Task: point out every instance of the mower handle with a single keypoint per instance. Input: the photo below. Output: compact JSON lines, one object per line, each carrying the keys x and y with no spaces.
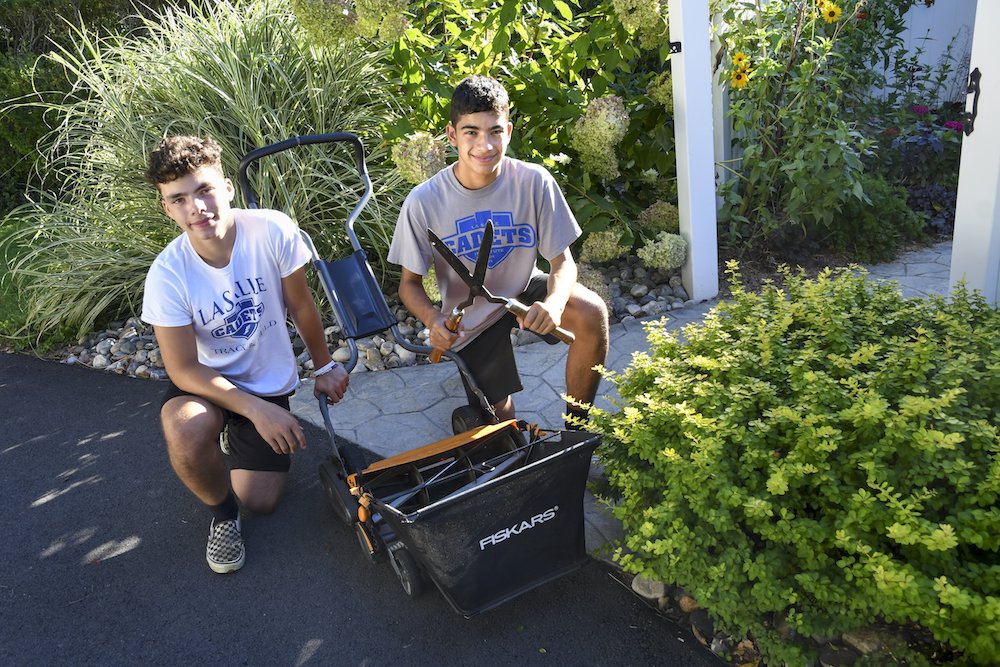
{"x":333,"y":137}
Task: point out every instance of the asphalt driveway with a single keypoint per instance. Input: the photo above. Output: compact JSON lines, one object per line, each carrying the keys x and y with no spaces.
{"x":103,"y":561}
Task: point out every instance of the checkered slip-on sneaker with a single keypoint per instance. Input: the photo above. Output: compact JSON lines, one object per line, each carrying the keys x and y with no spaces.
{"x":225,"y":552}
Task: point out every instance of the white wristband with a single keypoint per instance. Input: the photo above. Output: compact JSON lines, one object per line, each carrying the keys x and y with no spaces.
{"x":326,"y":369}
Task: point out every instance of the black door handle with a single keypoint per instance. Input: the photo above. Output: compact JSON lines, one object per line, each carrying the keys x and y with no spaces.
{"x":969,"y":118}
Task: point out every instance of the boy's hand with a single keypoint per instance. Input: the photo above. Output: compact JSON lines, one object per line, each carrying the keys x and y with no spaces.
{"x":279,"y":428}
{"x":333,"y":384}
{"x":542,"y":318}
{"x":442,"y":337}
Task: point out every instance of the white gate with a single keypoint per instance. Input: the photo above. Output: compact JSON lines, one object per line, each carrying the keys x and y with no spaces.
{"x":975,"y":255}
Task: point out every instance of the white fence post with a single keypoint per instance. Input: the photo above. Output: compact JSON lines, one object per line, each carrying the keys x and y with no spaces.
{"x":975,"y":255}
{"x":695,"y":145}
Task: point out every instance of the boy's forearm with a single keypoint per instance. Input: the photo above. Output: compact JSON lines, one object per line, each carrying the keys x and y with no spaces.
{"x":415,"y":299}
{"x":562,"y":278}
{"x":310,"y":328}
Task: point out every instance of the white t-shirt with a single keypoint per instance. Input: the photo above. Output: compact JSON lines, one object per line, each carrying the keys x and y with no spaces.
{"x":530,"y":217}
{"x":238,"y":311}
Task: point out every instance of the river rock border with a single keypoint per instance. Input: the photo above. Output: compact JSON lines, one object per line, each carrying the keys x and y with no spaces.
{"x":629,"y":289}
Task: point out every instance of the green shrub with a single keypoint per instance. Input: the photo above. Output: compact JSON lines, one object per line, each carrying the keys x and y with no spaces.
{"x":243,"y":72}
{"x":872,"y":229}
{"x":818,"y":458}
{"x":24,"y":81}
{"x":31,"y":26}
{"x":557,"y":59}
{"x":794,"y":76}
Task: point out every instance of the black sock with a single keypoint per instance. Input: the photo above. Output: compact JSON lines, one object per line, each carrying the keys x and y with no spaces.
{"x":579,"y":413}
{"x":227,"y":510}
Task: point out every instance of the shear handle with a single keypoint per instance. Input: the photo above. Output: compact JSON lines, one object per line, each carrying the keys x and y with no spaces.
{"x":520,"y":310}
{"x":452,"y":323}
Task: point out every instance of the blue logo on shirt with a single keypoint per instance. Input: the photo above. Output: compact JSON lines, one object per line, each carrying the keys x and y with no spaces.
{"x":242,"y":322}
{"x":506,"y":236}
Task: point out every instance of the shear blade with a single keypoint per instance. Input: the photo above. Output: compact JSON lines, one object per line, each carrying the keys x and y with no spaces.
{"x":483,"y":258}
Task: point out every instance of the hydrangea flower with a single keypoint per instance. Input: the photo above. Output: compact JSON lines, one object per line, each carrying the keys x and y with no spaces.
{"x":326,"y":21}
{"x":418,"y":157}
{"x":644,"y":16}
{"x":667,"y":252}
{"x":597,"y":132}
{"x":660,"y":216}
{"x":636,"y":14}
{"x":594,"y":280}
{"x":392,"y":27}
{"x":956,"y":125}
{"x":661,"y":91}
{"x":603,"y":246}
{"x":383,"y":18}
{"x":649,"y":176}
{"x":920,"y":109}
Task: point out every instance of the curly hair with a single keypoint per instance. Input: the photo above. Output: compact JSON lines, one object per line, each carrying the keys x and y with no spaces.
{"x":479,"y":93}
{"x":178,"y":156}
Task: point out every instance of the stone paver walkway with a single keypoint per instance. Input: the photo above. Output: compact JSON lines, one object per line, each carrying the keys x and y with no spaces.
{"x":392,"y":411}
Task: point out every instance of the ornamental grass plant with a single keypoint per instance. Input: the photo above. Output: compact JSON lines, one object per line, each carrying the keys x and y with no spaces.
{"x":243,"y":72}
{"x":815,"y":459}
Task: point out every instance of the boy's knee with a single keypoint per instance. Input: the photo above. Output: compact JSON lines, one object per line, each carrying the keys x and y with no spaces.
{"x":190,"y":427}
{"x":588,"y":311}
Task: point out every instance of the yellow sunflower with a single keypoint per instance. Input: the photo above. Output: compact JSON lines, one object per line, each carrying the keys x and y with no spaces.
{"x":831,"y":12}
{"x":739,"y":78}
{"x":740,"y":60}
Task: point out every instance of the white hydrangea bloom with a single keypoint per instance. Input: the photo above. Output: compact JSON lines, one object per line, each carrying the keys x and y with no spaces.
{"x":596,"y":134}
{"x":418,"y":157}
{"x":603,"y":246}
{"x":667,"y":252}
{"x":661,"y":91}
{"x":660,"y":216}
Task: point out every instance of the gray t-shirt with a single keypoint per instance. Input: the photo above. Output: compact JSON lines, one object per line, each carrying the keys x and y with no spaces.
{"x":530,"y":217}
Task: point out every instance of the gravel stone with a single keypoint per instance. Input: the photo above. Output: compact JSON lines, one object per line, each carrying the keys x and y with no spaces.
{"x":130,"y":347}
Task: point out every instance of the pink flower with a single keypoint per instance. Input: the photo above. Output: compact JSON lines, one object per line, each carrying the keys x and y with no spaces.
{"x":920,"y":109}
{"x":954,"y":125}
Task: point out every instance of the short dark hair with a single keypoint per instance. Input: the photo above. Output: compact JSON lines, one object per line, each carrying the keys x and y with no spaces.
{"x":479,"y":93}
{"x":178,"y":156}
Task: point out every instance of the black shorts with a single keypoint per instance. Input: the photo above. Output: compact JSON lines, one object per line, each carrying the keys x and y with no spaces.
{"x":247,"y":449}
{"x":490,"y":355}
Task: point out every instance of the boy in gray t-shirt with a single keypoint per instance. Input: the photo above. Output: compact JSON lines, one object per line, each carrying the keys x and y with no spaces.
{"x":530,"y":217}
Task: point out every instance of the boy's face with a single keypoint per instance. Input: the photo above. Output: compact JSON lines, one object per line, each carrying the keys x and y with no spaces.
{"x":199,"y":203}
{"x":481,"y":139}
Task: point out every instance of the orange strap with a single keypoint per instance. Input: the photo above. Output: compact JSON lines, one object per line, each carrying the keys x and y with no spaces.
{"x":440,"y":446}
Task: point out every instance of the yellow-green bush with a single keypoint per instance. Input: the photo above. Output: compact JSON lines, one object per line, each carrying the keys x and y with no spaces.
{"x":823,"y":456}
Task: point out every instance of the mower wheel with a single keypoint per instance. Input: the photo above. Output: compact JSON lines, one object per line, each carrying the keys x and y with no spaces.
{"x":334,"y":482}
{"x":407,"y":570}
{"x":369,"y":545}
{"x":465,"y":418}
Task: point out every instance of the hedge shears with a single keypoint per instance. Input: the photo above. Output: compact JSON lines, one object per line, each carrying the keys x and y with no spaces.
{"x":477,"y":288}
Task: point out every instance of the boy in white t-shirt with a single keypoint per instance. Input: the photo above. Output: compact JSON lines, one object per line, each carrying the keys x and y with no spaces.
{"x":530,"y":218}
{"x":217,"y":297}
